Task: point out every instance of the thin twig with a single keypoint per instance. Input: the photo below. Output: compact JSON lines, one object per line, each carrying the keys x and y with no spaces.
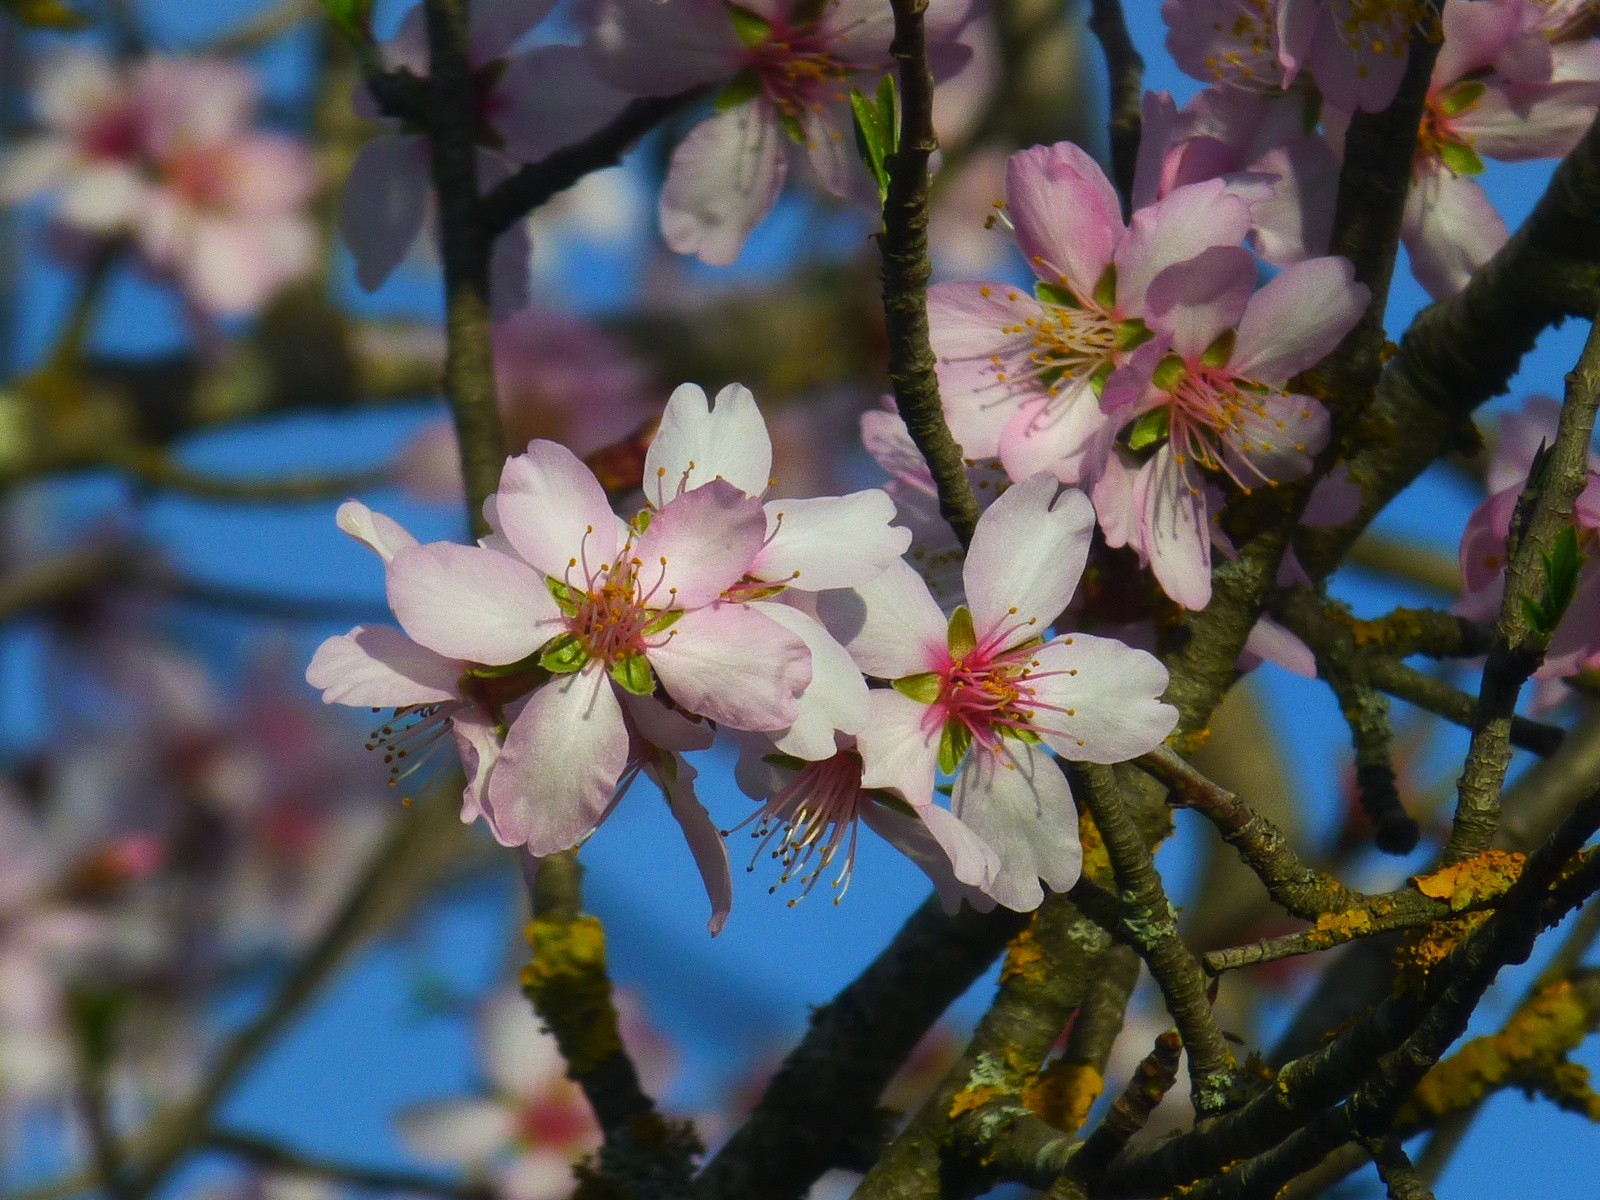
{"x":1544,"y":511}
{"x":1438,"y":697}
{"x":156,"y":469}
{"x":1125,"y":75}
{"x":904,"y":245}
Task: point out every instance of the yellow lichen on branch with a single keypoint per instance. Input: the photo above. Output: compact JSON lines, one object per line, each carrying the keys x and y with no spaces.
{"x":1096,"y":862}
{"x":1023,"y":956}
{"x":567,"y":982}
{"x":1530,"y":1052}
{"x":1479,"y":879}
{"x":1065,"y":1093}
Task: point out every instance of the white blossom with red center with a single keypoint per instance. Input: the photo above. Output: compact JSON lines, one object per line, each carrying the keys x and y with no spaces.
{"x":983,"y":694}
{"x":786,"y":69}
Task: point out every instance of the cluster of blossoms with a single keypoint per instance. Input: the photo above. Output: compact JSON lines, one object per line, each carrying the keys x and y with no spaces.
{"x":1575,"y":648}
{"x":162,"y":155}
{"x":572,"y":651}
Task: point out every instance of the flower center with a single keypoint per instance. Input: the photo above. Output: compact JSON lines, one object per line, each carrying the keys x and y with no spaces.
{"x":1251,"y":61}
{"x":1377,"y":27}
{"x":559,"y":1121}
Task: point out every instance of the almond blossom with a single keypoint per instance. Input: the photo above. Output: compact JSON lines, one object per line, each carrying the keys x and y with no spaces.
{"x":982,"y":694}
{"x":1208,"y":395}
{"x":161,"y":151}
{"x":529,"y":104}
{"x":787,"y":67}
{"x":1021,"y":374}
{"x":534,"y":1125}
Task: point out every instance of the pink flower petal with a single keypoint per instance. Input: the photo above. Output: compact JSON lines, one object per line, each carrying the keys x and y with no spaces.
{"x":735,"y":666}
{"x":968,"y":327}
{"x":830,"y":541}
{"x":834,"y":702}
{"x":890,"y":625}
{"x":548,"y":98}
{"x":1180,"y":226}
{"x":1018,"y":802}
{"x":1066,"y":213}
{"x":558,"y":772}
{"x":723,"y":178}
{"x":699,"y":545}
{"x":1450,"y":228}
{"x":384,"y":536}
{"x":1025,"y":561}
{"x":494,"y":26}
{"x":1298,"y":318}
{"x":386,"y":198}
{"x":705,"y":840}
{"x":698,"y":442}
{"x":1174,"y":529}
{"x":374,"y":666}
{"x":470,"y":603}
{"x":1196,"y":301}
{"x":899,"y":747}
{"x":656,"y":49}
{"x":552,"y":509}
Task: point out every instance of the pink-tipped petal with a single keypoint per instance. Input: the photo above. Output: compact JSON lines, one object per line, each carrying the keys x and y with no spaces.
{"x":1298,"y":318}
{"x":724,"y":177}
{"x":1066,"y":214}
{"x":469,"y":603}
{"x":1194,"y":302}
{"x":559,"y":769}
{"x":699,"y":545}
{"x":553,"y":510}
{"x":1183,"y":224}
{"x":735,"y":666}
{"x":1025,"y":561}
{"x":1174,"y":529}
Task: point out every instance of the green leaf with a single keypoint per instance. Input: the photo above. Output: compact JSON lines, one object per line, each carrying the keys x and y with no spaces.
{"x":923,"y":688}
{"x":566,"y":599}
{"x":663,"y":621}
{"x":1561,"y":563}
{"x":877,"y":130}
{"x":1102,"y":373}
{"x":44,"y":14}
{"x":1168,"y":372}
{"x":633,"y":674}
{"x":954,"y":743}
{"x":507,"y":670}
{"x":1055,"y":293}
{"x":754,"y":31}
{"x":563,"y":655}
{"x":961,"y":637}
{"x":1105,"y":289}
{"x":1454,"y":101}
{"x":1220,"y":351}
{"x":1533,"y":613}
{"x":1461,"y":159}
{"x":741,"y":89}
{"x":353,"y":18}
{"x":1149,"y":429}
{"x":1021,"y":733}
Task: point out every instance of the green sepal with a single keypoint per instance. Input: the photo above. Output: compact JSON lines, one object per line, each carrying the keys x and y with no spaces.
{"x":741,"y":89}
{"x":1133,"y":333}
{"x":1020,"y":733}
{"x":663,"y":621}
{"x":1168,"y":372}
{"x":1155,"y":426}
{"x":1561,"y":564}
{"x":1463,"y":160}
{"x":877,"y":129}
{"x":508,"y":670}
{"x":1105,"y":288}
{"x":961,"y":637}
{"x":791,"y":126}
{"x":44,"y":14}
{"x":641,"y":520}
{"x":1454,"y":101}
{"x":353,"y":18}
{"x":566,"y":599}
{"x":563,"y":655}
{"x":923,"y":688}
{"x":1057,"y":294}
{"x":1103,"y":372}
{"x":632,"y":673}
{"x":954,"y":742}
{"x":752,"y":30}
{"x":1220,"y":351}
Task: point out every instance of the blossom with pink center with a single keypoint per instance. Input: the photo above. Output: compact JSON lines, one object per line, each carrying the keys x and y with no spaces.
{"x":808,"y":824}
{"x":161,"y":151}
{"x":983,"y":694}
{"x":534,"y":1125}
{"x":1021,"y":374}
{"x":1504,"y":86}
{"x":1575,"y":648}
{"x":787,"y":67}
{"x":529,"y":104}
{"x":1207,"y":395}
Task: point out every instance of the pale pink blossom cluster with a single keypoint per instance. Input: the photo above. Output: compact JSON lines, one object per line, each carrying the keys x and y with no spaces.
{"x":163,"y":154}
{"x":1514,"y":80}
{"x":1144,"y":366}
{"x":1575,"y":648}
{"x":573,"y":650}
